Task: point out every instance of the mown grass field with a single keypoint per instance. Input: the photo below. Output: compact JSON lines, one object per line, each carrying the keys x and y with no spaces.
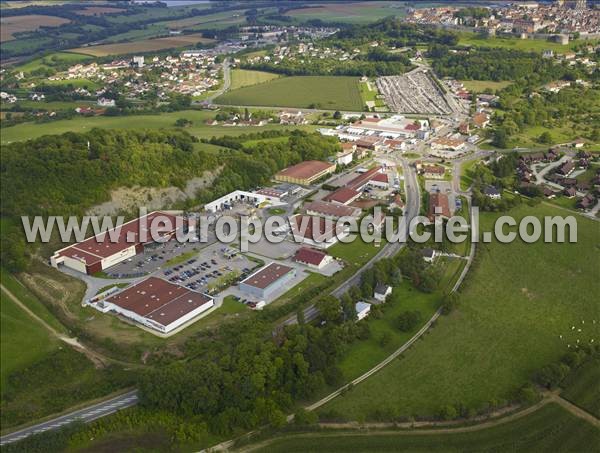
{"x":324,"y":92}
{"x":550,"y":428}
{"x":527,"y":45}
{"x":516,"y":302}
{"x":479,"y":86}
{"x":26,"y":131}
{"x":582,"y":387}
{"x":244,"y":77}
{"x":363,"y":355}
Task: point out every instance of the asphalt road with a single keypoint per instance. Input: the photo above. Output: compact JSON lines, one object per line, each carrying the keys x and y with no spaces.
{"x":85,"y":415}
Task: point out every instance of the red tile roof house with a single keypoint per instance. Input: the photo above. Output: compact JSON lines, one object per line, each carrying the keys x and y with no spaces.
{"x":566,"y":168}
{"x":313,"y":258}
{"x":481,"y":120}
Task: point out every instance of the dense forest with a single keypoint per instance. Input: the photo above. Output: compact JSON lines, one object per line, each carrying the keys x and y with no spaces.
{"x":66,"y":174}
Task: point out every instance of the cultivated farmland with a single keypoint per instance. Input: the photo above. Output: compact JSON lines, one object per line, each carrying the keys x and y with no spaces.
{"x":28,"y":22}
{"x":517,"y":302}
{"x":323,"y":92}
{"x":357,"y":12}
{"x":244,"y":77}
{"x":145,"y":45}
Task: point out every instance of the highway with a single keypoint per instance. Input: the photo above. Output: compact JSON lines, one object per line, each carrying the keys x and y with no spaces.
{"x":85,"y":415}
{"x":413,"y":204}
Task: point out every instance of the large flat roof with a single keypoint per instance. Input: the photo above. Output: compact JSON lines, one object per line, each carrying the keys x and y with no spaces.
{"x":331,"y":209}
{"x":305,"y":170}
{"x":161,"y":301}
{"x":96,"y":248}
{"x":267,"y":275}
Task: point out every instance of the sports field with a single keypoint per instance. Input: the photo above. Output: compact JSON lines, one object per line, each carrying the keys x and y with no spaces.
{"x":550,"y":428}
{"x":323,"y":92}
{"x":145,"y":45}
{"x":199,"y":129}
{"x":244,"y":77}
{"x":516,"y":303}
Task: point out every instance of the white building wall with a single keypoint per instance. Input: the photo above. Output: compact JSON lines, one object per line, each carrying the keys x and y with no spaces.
{"x":71,"y":263}
{"x":118,"y":257}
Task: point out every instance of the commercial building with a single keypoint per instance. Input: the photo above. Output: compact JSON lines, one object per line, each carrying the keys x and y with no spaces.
{"x":317,"y":231}
{"x":241,"y":196}
{"x":157,"y":304}
{"x":374,"y":177}
{"x":331,"y":210}
{"x":305,"y":173}
{"x":267,"y":280}
{"x":312,"y":258}
{"x":438,"y":206}
{"x":434,"y":171}
{"x":343,"y":196}
{"x":106,"y":249}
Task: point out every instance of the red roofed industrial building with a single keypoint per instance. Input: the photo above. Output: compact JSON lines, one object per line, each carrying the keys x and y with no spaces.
{"x":305,"y":173}
{"x":331,"y":210}
{"x":157,"y":304}
{"x":267,"y":280}
{"x":343,"y":195}
{"x":346,"y":195}
{"x":118,"y":244}
{"x":438,"y":206}
{"x":312,"y":258}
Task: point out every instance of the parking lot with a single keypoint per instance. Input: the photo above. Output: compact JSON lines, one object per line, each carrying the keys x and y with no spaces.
{"x":153,"y":258}
{"x":211,"y":270}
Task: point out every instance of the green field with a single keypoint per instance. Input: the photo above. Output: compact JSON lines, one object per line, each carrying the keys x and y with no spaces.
{"x":353,"y":13}
{"x":27,"y":131}
{"x":244,"y":77}
{"x":517,"y":300}
{"x":23,"y":341}
{"x":323,"y":92}
{"x":550,"y":428}
{"x":52,"y":59}
{"x":582,"y":387}
{"x":363,"y":355}
{"x":479,"y":86}
{"x":528,"y":45}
